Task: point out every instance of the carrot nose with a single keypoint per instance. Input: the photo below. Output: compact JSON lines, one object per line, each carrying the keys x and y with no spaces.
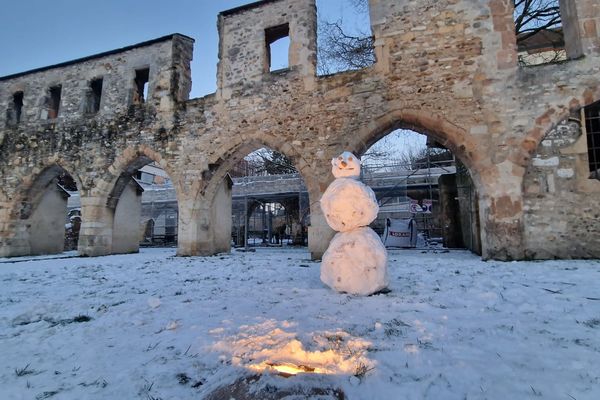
{"x":344,"y":164}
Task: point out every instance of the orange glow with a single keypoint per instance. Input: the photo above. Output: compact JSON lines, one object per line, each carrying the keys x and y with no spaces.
{"x":267,"y":347}
{"x":287,"y":370}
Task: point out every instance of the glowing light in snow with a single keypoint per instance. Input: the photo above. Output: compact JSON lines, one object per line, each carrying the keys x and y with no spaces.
{"x":287,"y":370}
{"x":265,"y":347}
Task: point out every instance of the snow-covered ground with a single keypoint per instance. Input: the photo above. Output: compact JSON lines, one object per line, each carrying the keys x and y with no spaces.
{"x":153,"y":326}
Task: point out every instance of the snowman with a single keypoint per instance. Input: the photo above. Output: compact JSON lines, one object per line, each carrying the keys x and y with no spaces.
{"x":355,"y":261}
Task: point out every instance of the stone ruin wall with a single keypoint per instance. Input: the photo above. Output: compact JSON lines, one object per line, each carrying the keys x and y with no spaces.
{"x":562,"y":203}
{"x":83,"y":144}
{"x":444,"y":68}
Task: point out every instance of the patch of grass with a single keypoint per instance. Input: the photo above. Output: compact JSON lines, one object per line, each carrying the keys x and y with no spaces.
{"x":100,"y":382}
{"x":592,"y":323}
{"x":392,"y":328}
{"x":24,"y":371}
{"x":361,"y":371}
{"x":146,"y":389}
{"x":77,"y":319}
{"x":46,"y":395}
{"x":82,"y":318}
{"x":182,"y":378}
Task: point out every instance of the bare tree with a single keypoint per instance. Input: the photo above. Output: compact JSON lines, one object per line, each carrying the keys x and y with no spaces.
{"x":339,"y":50}
{"x":533,"y":16}
{"x":269,"y":162}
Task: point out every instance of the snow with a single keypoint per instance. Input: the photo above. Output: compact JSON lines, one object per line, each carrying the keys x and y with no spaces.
{"x":346,"y":165}
{"x":452,"y":327}
{"x":348,"y":204}
{"x":355,"y":262}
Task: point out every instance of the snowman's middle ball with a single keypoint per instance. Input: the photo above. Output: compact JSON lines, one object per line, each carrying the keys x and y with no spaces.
{"x":349,"y":204}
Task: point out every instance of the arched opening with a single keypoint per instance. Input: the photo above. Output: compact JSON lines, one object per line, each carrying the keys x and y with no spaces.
{"x":270,"y":205}
{"x":145,"y":208}
{"x":51,"y":212}
{"x":426,"y":195}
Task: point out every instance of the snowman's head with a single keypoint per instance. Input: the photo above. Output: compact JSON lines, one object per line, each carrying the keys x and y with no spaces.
{"x":346,"y":165}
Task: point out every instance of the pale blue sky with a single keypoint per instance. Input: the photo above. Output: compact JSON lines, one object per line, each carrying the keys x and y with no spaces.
{"x":37,"y":33}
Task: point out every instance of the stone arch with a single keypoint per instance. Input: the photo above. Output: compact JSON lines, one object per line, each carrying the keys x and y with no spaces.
{"x":211,"y":198}
{"x":32,"y":186}
{"x":39,"y":211}
{"x":129,"y":161}
{"x":456,"y":139}
{"x":463,"y":145}
{"x":226,"y":157}
{"x":120,"y":197}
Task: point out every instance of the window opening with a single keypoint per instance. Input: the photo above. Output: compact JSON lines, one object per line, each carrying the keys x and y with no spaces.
{"x":592,"y":127}
{"x":13,"y":114}
{"x":54,"y":104}
{"x":95,"y":94}
{"x":142,"y":77}
{"x":539,"y":31}
{"x":18,"y":106}
{"x":278,"y":47}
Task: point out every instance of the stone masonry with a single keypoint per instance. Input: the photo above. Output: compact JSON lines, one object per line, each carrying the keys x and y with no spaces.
{"x":445,"y":68}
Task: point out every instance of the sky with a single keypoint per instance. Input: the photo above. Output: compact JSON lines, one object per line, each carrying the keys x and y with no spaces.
{"x":38,"y":33}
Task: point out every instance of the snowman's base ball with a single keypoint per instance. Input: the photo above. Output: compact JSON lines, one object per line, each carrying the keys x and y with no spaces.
{"x":355,"y":263}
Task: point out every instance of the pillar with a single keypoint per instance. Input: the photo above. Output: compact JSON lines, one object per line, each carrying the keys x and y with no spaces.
{"x":501,"y":215}
{"x":319,"y":233}
{"x":14,"y":240}
{"x":205,"y":223}
{"x":221,"y":217}
{"x":127,"y":218}
{"x":95,"y":236}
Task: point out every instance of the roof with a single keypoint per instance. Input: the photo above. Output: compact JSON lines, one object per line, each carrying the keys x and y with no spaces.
{"x":541,"y":40}
{"x":99,"y":55}
{"x":246,"y":7}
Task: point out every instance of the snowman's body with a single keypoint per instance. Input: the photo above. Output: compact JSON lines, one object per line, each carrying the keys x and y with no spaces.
{"x":356,"y":260}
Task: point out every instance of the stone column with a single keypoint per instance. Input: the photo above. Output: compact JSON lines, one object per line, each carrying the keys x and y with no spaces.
{"x":188,"y":227}
{"x":221,"y":217}
{"x":195,"y":235}
{"x":127,"y":216}
{"x":95,"y":236}
{"x":205,"y":224}
{"x":319,"y":233}
{"x":317,"y":178}
{"x":501,"y":214}
{"x":14,"y":237}
{"x":319,"y":236}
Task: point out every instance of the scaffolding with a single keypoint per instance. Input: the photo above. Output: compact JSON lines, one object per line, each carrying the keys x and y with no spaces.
{"x":409,"y":190}
{"x":269,"y":219}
